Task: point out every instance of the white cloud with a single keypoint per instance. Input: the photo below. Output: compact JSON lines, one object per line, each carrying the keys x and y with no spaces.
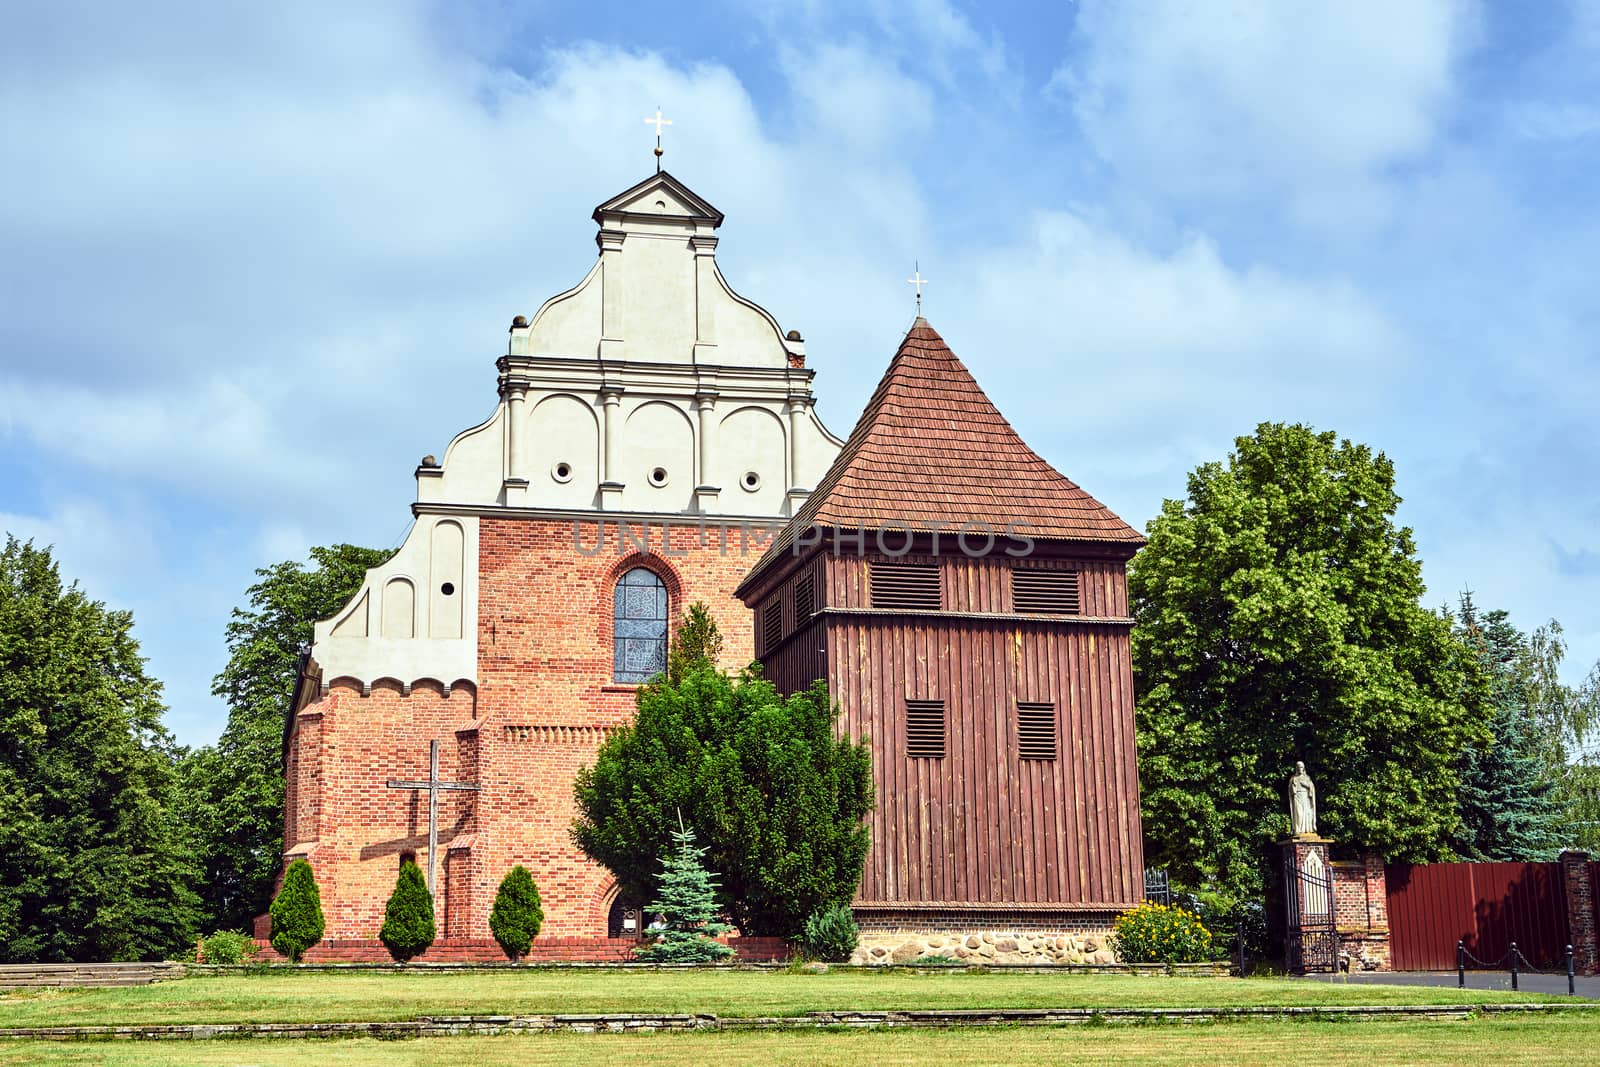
{"x":1189,"y":339}
{"x":1307,"y":103}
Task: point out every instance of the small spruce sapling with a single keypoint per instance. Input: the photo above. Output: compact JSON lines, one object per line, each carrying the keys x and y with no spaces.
{"x":408,"y":919}
{"x":297,"y":912}
{"x":517,"y":913}
{"x":688,"y":906}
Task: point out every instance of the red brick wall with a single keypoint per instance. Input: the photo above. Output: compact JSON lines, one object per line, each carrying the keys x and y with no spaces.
{"x":1583,"y":911}
{"x":543,"y":703}
{"x":1361,"y":912}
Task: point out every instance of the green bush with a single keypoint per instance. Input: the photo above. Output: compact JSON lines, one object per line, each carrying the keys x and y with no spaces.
{"x":517,"y":913}
{"x":297,"y":912}
{"x":830,"y":934}
{"x":227,"y":948}
{"x":1158,"y":933}
{"x":408,"y":919}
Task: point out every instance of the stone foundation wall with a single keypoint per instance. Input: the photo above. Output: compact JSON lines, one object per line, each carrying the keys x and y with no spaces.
{"x":1005,"y":946}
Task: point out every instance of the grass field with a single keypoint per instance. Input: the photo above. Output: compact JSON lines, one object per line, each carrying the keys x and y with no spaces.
{"x":386,"y":996}
{"x":1479,"y":1040}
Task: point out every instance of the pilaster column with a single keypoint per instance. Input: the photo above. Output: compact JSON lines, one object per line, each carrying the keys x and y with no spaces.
{"x":612,"y":328}
{"x":796,"y":410}
{"x":516,"y":431}
{"x":705,"y":284}
{"x":706,"y":494}
{"x":611,"y":484}
{"x":515,"y":486}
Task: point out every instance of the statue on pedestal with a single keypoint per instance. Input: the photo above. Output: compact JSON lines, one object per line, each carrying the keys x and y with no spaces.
{"x":1302,"y":803}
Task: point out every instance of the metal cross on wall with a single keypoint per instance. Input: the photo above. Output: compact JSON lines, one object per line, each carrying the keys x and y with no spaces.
{"x":658,"y":122}
{"x":433,"y":786}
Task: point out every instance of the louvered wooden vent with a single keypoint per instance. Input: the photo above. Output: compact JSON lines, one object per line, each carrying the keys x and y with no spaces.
{"x":912,"y":586}
{"x":772,"y":623}
{"x":1036,"y":731}
{"x":1039,"y":592}
{"x":925,"y":729}
{"x":805,"y":597}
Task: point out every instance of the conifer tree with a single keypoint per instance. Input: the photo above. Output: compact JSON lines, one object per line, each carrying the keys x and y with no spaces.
{"x":95,"y":850}
{"x":297,"y":912}
{"x":408,"y":927}
{"x":687,"y":906}
{"x":517,"y":914}
{"x":780,"y":799}
{"x":1507,"y":800}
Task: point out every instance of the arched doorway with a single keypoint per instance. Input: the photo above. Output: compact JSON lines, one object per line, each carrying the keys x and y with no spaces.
{"x":625,"y":919}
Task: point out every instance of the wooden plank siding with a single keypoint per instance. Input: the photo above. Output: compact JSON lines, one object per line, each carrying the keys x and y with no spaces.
{"x":983,"y":827}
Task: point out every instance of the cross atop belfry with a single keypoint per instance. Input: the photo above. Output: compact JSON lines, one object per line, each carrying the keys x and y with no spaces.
{"x":919,"y":281}
{"x":658,"y":122}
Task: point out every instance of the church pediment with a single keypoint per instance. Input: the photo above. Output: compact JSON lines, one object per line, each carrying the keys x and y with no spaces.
{"x":661,"y":195}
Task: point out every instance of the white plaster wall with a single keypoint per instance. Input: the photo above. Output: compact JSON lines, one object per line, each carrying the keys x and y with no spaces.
{"x":569,"y":323}
{"x":475,"y":462}
{"x":366,"y":639}
{"x":563,"y":431}
{"x":747,"y":335}
{"x":751,"y":439}
{"x":652,"y":322}
{"x":657,"y":434}
{"x":656,"y":276}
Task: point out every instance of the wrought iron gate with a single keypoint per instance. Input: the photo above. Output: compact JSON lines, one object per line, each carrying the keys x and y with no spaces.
{"x":1313,"y":943}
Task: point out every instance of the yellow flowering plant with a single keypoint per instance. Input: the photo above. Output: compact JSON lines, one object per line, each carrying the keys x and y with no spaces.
{"x":1160,"y":933}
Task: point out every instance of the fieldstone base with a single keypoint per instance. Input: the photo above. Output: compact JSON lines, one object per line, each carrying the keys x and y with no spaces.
{"x":1018,"y":947}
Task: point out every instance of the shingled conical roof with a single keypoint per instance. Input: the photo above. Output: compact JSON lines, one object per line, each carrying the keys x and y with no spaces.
{"x":932,"y":448}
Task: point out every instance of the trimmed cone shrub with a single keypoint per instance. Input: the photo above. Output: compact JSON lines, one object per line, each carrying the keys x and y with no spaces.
{"x":517,"y":913}
{"x":1157,"y":933}
{"x":408,"y":920}
{"x":831,"y":934}
{"x":296,"y":912}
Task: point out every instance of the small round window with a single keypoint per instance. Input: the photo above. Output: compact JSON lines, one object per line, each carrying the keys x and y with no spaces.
{"x":658,"y":477}
{"x":562,"y":471}
{"x":750,"y":481}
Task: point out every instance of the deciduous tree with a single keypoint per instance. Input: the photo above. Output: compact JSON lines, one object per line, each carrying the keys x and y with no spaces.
{"x":1278,"y":618}
{"x":236,"y":786}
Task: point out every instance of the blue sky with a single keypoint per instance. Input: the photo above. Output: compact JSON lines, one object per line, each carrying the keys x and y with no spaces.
{"x":261,"y":257}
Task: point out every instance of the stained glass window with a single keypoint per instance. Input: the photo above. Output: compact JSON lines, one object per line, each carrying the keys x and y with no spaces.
{"x":641,"y":626}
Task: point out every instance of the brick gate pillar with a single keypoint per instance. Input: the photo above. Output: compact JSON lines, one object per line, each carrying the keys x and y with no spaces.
{"x":1312,"y":943}
{"x":1581,"y":932}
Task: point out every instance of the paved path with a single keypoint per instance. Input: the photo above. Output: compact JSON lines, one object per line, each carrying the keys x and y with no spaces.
{"x":1526,"y":983}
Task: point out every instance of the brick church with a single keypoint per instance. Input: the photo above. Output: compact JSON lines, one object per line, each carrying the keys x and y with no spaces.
{"x":654,"y":444}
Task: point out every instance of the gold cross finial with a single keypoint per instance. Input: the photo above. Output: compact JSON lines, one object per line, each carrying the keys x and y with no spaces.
{"x":919,"y":281}
{"x":658,"y":122}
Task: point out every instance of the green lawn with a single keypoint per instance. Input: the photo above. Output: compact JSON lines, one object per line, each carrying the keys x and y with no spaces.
{"x":321,"y":996}
{"x":1483,"y":1040}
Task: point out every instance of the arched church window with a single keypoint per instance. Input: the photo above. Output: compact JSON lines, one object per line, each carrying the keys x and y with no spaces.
{"x":641,"y":626}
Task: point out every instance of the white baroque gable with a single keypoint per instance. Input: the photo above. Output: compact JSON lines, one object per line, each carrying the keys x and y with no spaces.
{"x":650,"y":387}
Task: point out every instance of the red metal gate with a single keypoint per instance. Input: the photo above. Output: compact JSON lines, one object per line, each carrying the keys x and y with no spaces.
{"x":1485,"y":905}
